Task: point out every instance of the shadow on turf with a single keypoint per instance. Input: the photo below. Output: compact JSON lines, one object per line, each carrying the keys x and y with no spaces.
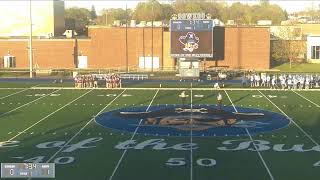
{"x":239,"y":99}
{"x":212,"y":97}
{"x":4,"y":115}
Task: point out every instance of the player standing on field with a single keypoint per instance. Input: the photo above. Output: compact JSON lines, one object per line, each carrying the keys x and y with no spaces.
{"x":183,"y":97}
{"x":219,"y":100}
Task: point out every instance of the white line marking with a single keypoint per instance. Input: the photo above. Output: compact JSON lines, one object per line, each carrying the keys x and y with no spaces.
{"x":66,"y":144}
{"x":134,"y":133}
{"x":28,"y":103}
{"x":14,"y":93}
{"x":317,"y":105}
{"x":291,"y":120}
{"x":36,"y":86}
{"x":47,"y":116}
{"x":165,"y":89}
{"x":252,"y":140}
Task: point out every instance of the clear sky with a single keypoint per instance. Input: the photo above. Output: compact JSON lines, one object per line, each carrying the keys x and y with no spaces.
{"x":289,"y":5}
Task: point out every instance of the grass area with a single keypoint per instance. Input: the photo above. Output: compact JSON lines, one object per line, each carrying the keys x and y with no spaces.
{"x":298,"y":67}
{"x":61,"y":126}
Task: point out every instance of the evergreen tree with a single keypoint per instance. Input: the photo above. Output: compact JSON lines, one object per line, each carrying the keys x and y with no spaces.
{"x":93,"y":14}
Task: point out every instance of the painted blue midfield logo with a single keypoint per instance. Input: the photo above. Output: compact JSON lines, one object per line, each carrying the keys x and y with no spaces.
{"x":201,"y":120}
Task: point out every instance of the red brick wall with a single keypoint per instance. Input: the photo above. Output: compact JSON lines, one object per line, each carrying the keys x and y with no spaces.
{"x":106,"y":48}
{"x":47,"y":53}
{"x":247,"y":48}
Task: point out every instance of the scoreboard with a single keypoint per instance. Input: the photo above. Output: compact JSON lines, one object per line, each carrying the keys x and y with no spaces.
{"x":191,"y":25}
{"x":27,"y":170}
{"x":191,"y":38}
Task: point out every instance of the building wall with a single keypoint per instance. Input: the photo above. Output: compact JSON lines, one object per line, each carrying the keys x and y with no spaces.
{"x":298,"y":30}
{"x":47,"y":17}
{"x":108,"y":46}
{"x":312,"y":41}
{"x":47,"y":53}
{"x":168,"y":62}
{"x":310,"y":28}
{"x":247,"y":48}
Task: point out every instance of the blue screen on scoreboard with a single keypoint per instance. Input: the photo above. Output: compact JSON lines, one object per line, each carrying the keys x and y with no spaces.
{"x":191,"y":25}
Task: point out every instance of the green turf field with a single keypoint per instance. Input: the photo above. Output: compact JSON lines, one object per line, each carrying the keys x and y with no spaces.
{"x":60,"y":126}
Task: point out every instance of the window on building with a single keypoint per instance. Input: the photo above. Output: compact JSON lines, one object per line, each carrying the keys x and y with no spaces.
{"x":315,"y":52}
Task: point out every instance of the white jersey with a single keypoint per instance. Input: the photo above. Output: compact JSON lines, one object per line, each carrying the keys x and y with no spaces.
{"x":251,"y":78}
{"x":216,"y":85}
{"x":183,"y":95}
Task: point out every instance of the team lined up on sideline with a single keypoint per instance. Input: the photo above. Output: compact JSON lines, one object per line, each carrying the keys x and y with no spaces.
{"x":283,"y":81}
{"x":94,"y":81}
{"x":272,"y":81}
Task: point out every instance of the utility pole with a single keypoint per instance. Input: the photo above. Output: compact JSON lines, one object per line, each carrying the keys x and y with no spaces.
{"x":152,"y":39}
{"x":30,"y":43}
{"x":127,"y":62}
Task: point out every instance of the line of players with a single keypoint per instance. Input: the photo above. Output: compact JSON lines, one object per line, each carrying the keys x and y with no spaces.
{"x":284,"y":81}
{"x":91,"y":81}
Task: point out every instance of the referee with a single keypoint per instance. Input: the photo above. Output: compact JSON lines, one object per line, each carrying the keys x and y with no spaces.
{"x":219,"y":100}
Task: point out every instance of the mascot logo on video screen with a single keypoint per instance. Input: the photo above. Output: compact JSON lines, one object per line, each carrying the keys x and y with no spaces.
{"x":201,"y":120}
{"x":190,"y":42}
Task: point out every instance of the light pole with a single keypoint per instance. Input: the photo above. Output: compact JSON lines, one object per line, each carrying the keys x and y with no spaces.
{"x":127,"y":61}
{"x":30,"y":42}
{"x":152,"y":39}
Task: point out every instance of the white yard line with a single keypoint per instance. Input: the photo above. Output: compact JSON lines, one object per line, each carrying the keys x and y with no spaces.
{"x":133,"y":135}
{"x":191,"y":136}
{"x":252,"y":140}
{"x":317,"y":105}
{"x":28,"y":103}
{"x":48,"y":116}
{"x":67,"y":143}
{"x":13,"y":93}
{"x":235,"y":109}
{"x":155,"y":88}
{"x":291,"y":120}
{"x":35,"y":86}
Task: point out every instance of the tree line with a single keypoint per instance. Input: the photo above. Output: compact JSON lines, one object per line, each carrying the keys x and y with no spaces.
{"x":287,"y":49}
{"x":242,"y":14}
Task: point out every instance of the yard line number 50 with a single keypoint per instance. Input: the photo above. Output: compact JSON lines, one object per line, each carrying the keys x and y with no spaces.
{"x":204,"y":162}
